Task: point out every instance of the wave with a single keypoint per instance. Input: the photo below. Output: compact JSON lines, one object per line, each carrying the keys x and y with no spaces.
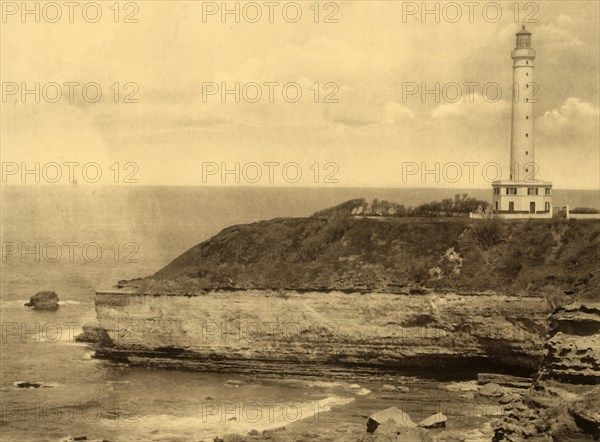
{"x":215,"y":418}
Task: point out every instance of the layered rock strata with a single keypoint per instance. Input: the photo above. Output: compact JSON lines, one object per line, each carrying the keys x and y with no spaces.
{"x":229,"y":330}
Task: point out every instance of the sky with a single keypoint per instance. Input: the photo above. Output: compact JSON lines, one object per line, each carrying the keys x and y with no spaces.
{"x":368,"y":126}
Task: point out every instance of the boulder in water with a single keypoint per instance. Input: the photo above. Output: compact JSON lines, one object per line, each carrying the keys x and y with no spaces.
{"x":26,"y":384}
{"x":437,"y":420}
{"x":45,"y":300}
{"x":390,"y":431}
{"x":94,"y":334}
{"x":509,"y":397}
{"x":491,"y":390}
{"x":397,"y":416}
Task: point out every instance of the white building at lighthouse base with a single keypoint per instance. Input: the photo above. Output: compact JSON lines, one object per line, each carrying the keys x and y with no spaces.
{"x":523,"y":199}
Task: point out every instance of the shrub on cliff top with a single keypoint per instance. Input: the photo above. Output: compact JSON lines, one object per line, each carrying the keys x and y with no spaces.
{"x":584,"y":210}
{"x":344,"y":209}
{"x":488,"y":233}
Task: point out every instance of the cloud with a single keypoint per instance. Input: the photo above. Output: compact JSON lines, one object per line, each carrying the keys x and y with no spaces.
{"x":370,"y":113}
{"x":471,"y":107}
{"x":573,"y":113}
{"x":558,"y":35}
{"x":369,"y":55}
{"x":395,"y":112}
{"x":565,"y":20}
{"x":567,"y":138}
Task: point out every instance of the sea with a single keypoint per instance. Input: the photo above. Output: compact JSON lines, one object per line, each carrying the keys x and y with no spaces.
{"x":77,"y":239}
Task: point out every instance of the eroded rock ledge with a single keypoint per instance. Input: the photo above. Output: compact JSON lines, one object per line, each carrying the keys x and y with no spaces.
{"x":263,"y":330}
{"x":572,"y":348}
{"x":564,"y":401}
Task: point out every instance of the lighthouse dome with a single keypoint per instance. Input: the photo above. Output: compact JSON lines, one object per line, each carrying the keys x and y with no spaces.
{"x":523,"y":38}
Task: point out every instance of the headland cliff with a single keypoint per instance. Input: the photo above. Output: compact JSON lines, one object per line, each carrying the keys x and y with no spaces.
{"x":349,"y":296}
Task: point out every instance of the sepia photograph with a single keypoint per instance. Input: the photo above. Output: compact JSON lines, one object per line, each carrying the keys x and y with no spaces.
{"x":300,"y":221}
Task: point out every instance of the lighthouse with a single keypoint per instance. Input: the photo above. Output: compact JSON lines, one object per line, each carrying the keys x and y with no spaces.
{"x":522,"y":163}
{"x":523,"y":195}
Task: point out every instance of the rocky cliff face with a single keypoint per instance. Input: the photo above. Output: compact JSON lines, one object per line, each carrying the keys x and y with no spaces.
{"x":573,"y":346}
{"x":564,"y":402}
{"x":237,"y":329}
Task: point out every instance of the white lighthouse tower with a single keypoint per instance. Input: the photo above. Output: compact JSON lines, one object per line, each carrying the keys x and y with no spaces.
{"x":523,"y":195}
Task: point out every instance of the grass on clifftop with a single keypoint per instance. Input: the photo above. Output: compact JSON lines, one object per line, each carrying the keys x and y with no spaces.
{"x":392,"y":254}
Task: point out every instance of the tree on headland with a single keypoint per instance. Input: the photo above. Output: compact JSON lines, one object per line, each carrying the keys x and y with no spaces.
{"x":461,"y":204}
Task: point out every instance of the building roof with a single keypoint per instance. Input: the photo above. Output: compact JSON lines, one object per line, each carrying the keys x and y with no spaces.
{"x":510,"y":183}
{"x":523,"y":31}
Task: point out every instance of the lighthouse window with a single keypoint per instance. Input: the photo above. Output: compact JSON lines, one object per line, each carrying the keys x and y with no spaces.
{"x":527,"y":117}
{"x":526,"y":100}
{"x":526,"y":62}
{"x":526,"y":152}
{"x":526,"y":135}
{"x":527,"y":74}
